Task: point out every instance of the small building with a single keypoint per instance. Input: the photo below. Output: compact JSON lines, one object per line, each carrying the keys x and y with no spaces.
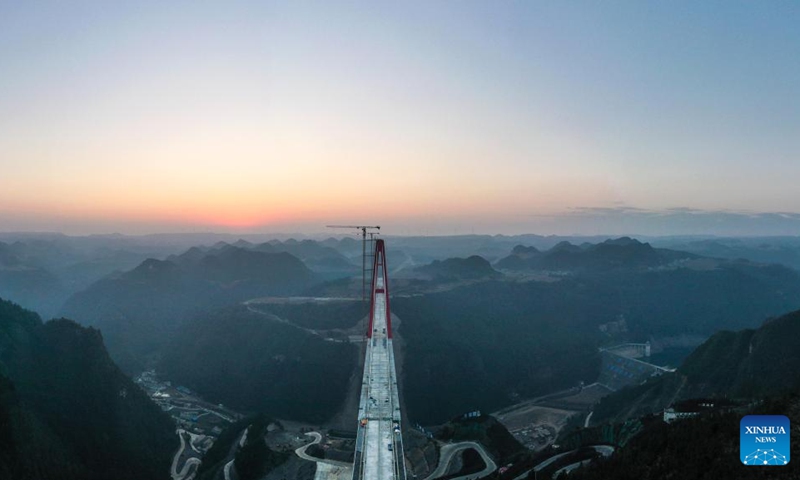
{"x":690,"y":408}
{"x":670,"y":415}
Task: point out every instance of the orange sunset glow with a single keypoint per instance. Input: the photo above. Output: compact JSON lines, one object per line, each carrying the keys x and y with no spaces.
{"x":290,"y":117}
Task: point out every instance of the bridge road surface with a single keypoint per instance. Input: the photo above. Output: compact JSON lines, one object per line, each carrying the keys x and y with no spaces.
{"x":379,"y":444}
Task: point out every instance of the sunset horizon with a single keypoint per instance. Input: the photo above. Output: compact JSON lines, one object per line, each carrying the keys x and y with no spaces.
{"x":374,"y":240}
{"x":530,"y":118}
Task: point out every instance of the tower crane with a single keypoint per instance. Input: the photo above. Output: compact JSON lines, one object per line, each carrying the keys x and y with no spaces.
{"x":364,"y":231}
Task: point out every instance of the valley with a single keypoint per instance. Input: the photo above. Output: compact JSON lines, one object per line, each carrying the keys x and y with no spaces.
{"x":373,"y":240}
{"x":548,"y":345}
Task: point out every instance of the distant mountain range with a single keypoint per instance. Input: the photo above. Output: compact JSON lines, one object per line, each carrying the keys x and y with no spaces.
{"x":620,"y":253}
{"x":42,"y":271}
{"x":67,"y":412}
{"x":26,"y":282}
{"x":474,"y":267}
{"x":139,"y":310}
{"x":780,"y":250}
{"x":531,"y":324}
{"x":319,"y":257}
{"x":522,"y":337}
{"x":480,"y":346}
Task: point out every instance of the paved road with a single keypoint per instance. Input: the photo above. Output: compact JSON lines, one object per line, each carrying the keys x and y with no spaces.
{"x":301,"y":452}
{"x":178,"y":455}
{"x":446,"y":454}
{"x":282,"y":320}
{"x":193,"y":438}
{"x":588,"y":417}
{"x":227,"y":470}
{"x":571,"y":467}
{"x":183,"y":474}
{"x":605,"y":450}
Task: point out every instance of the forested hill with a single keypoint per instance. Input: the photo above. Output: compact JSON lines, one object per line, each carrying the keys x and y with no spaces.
{"x":757,"y":368}
{"x":480,"y":346}
{"x":612,"y":254}
{"x":749,"y":362}
{"x":67,"y":412}
{"x":746,"y":364}
{"x":706,"y":447}
{"x":253,"y":361}
{"x":175,"y":290}
{"x":473,"y":267}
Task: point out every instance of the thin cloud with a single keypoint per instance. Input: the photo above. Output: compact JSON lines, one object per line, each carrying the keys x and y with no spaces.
{"x":669,"y":221}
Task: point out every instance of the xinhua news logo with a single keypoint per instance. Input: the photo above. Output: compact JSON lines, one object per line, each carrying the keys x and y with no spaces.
{"x":764,"y":440}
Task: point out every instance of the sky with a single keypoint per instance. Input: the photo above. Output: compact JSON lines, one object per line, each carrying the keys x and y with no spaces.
{"x":424,"y":117}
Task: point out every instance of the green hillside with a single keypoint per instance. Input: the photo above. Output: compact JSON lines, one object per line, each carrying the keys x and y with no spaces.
{"x":66,"y":411}
{"x":139,"y":310}
{"x":252,"y":362}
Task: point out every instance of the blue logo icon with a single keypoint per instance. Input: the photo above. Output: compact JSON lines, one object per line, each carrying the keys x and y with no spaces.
{"x":764,"y":440}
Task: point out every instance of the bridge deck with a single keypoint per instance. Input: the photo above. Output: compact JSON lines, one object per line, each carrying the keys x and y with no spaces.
{"x":379,"y":447}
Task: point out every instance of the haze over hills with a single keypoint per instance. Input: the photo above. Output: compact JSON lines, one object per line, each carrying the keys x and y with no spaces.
{"x":521,"y":337}
{"x":530,"y":338}
{"x":322,"y":259}
{"x":513,"y":318}
{"x":199,"y":281}
{"x":622,"y":253}
{"x":477,"y":332}
{"x":43,"y":270}
{"x":26,"y":282}
{"x":659,"y":294}
{"x":318,"y":257}
{"x":780,"y":250}
{"x":471,"y":268}
{"x":66,"y":411}
{"x":564,"y":189}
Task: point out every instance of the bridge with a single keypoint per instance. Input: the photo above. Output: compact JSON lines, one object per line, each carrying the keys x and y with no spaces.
{"x":379,"y":443}
{"x":630,"y":350}
{"x":627,"y":364}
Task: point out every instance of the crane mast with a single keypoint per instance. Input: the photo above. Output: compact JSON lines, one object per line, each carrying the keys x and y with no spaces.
{"x":364,"y":232}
